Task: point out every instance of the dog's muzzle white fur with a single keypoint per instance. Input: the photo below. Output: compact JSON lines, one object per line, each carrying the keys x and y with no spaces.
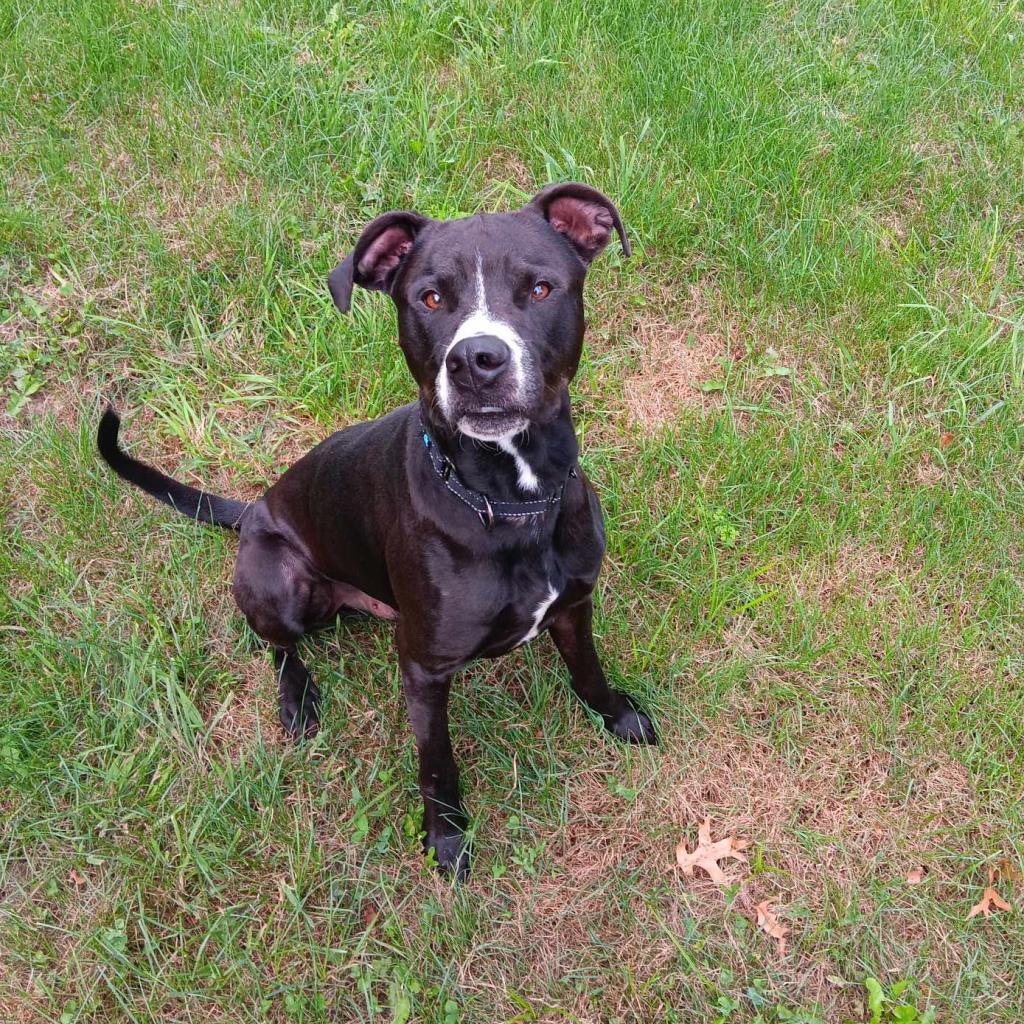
{"x":481,"y":322}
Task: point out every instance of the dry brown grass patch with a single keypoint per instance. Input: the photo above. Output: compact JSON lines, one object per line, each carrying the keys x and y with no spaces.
{"x":250,"y":715}
{"x":506,"y":165}
{"x":557,"y":916}
{"x":828,"y":824}
{"x":927,"y":473}
{"x":825,"y":816}
{"x":858,"y":570}
{"x":63,"y":336}
{"x":680,"y":350}
{"x":174,"y":204}
{"x":68,"y":917}
{"x":862,"y":570}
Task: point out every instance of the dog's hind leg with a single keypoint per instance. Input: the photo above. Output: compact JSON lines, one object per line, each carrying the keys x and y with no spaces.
{"x":297,"y":694}
{"x":282,"y":597}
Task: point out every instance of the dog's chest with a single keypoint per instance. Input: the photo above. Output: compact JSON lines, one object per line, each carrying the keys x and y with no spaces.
{"x":499,"y":608}
{"x":485,"y":603}
{"x":521,"y":612}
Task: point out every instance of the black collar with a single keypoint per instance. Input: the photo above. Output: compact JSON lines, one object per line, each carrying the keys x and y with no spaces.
{"x":486,"y":509}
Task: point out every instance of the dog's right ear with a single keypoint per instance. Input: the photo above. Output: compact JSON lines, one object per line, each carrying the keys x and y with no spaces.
{"x":378,"y":254}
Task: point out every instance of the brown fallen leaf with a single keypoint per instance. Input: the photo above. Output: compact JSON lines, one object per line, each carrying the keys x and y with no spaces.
{"x":1007,"y":869}
{"x":915,"y":876}
{"x":989,"y":899}
{"x":771,"y":925}
{"x":707,"y":854}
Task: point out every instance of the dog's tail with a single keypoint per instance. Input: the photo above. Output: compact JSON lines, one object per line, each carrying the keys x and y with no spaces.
{"x":196,"y":504}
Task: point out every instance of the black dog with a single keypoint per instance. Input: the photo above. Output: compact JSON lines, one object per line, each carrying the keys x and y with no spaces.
{"x":464,"y":516}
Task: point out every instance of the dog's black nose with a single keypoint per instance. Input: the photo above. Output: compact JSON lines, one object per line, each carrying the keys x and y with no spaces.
{"x":477,"y":362}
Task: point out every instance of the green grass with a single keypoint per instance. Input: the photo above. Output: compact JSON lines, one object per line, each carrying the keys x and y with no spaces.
{"x":814,"y":571}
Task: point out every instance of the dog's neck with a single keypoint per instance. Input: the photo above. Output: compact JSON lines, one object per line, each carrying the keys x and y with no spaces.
{"x":533,"y":464}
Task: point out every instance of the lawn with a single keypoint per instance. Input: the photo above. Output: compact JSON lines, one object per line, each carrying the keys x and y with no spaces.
{"x":802,"y":403}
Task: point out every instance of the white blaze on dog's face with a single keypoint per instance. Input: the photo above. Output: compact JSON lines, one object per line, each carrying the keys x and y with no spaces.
{"x":497,"y":418}
{"x":490,"y":307}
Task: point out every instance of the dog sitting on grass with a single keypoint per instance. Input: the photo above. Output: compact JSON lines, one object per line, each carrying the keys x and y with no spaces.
{"x":464,"y":516}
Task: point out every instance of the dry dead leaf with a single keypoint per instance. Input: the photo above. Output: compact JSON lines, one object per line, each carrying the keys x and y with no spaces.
{"x":915,"y":876}
{"x":707,"y":854}
{"x":1007,"y":869}
{"x":771,"y":925}
{"x":989,"y":899}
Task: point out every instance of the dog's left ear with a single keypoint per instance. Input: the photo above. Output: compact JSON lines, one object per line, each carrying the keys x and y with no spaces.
{"x":581,"y":213}
{"x":374,"y":262}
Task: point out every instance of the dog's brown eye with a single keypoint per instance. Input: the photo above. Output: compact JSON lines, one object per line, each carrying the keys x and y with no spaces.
{"x":431,"y":300}
{"x":541,"y":290}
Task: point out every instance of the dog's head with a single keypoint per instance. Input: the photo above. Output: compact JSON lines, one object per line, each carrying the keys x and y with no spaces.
{"x":490,"y":307}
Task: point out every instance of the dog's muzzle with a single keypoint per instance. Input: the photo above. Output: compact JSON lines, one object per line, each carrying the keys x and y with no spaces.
{"x":484,"y":385}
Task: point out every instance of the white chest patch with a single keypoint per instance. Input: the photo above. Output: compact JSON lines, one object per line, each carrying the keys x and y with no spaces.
{"x":527,"y":478}
{"x":539,"y":613}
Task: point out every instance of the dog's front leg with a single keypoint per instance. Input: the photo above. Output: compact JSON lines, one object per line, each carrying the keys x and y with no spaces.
{"x":444,"y":820}
{"x":572,"y":631}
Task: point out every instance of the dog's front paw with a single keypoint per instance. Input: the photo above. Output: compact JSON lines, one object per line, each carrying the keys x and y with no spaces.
{"x":300,"y":714}
{"x":449,"y":851}
{"x":631,"y":725}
